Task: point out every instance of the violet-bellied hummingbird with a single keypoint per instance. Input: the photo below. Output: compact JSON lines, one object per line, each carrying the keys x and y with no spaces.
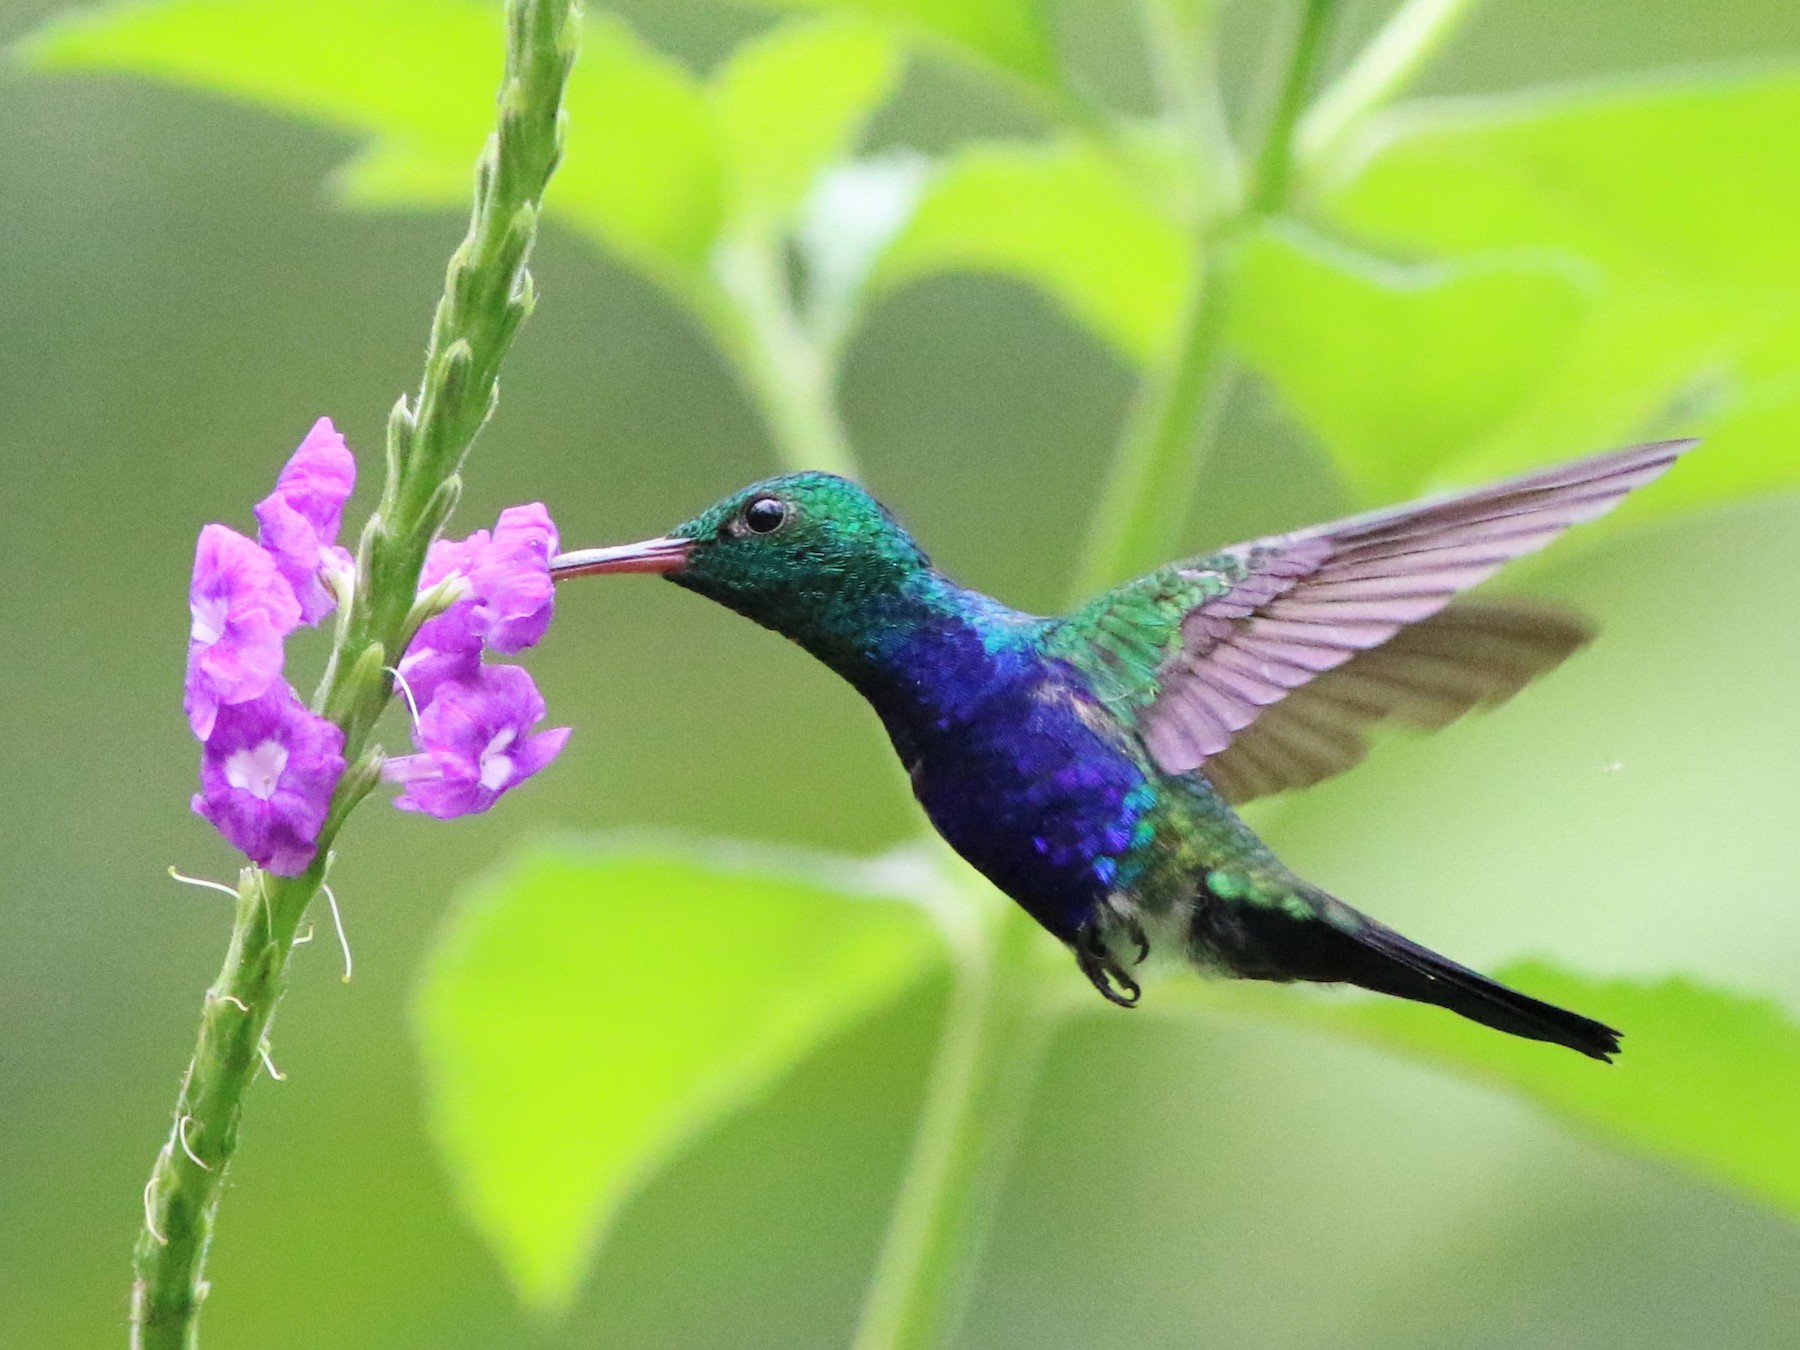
{"x":1088,"y":765}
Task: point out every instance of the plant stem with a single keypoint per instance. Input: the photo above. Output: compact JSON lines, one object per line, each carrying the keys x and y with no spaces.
{"x":1167,"y":433}
{"x":487,"y":294}
{"x":989,"y":1047}
{"x":1417,"y":30}
{"x":1150,"y":488}
{"x":1001,"y":1013}
{"x":1180,"y":36}
{"x":1291,"y":81}
{"x":787,"y":372}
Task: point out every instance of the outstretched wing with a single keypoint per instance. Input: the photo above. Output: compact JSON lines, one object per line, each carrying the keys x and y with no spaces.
{"x":1471,"y":654}
{"x":1198,"y":654}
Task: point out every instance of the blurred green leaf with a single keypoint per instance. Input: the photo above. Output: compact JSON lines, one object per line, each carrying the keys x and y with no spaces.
{"x":1397,"y":368}
{"x":417,"y":77}
{"x":643,"y":171}
{"x":1012,"y":35}
{"x":792,"y":102}
{"x":1062,"y":217}
{"x":1682,"y":200}
{"x":1707,"y":1079}
{"x":419,"y":70}
{"x":594,"y":1008}
{"x":1632,"y":179}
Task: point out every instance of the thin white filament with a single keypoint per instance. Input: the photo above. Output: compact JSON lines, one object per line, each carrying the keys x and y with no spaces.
{"x":337,"y":920}
{"x":203,"y":883}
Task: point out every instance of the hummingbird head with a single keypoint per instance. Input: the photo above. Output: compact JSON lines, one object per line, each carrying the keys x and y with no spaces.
{"x":809,"y":555}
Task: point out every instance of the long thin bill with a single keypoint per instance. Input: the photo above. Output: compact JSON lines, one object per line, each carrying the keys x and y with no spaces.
{"x":662,"y":555}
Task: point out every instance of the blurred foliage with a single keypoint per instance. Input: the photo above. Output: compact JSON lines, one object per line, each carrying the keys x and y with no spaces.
{"x":1063,"y":217}
{"x":1390,"y":364}
{"x":701,"y":159}
{"x":1711,"y":1079}
{"x":522,"y":1043}
{"x":1014,"y":36}
{"x":1678,"y":200}
{"x":1562,"y":272}
{"x":1472,"y":285}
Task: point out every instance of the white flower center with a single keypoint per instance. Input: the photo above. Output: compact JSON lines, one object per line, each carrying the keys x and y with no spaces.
{"x":258,"y":769}
{"x":496,"y":764}
{"x":209,"y":619}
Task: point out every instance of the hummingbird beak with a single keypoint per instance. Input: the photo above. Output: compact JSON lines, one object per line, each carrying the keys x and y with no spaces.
{"x":663,"y":555}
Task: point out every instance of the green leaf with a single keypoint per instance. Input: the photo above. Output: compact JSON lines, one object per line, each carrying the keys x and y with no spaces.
{"x":792,"y":102}
{"x":1681,"y":200}
{"x":1708,"y":1079}
{"x":1064,"y":218}
{"x":593,"y":1008}
{"x":1631,"y":179}
{"x":1011,"y":35}
{"x":418,"y":70}
{"x":644,"y":171}
{"x":416,"y":78}
{"x":1397,"y":368}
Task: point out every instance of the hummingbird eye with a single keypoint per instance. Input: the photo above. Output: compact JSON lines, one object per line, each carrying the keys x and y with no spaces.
{"x":765,"y":515}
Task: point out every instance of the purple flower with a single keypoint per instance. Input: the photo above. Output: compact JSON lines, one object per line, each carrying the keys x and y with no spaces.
{"x":508,"y":596}
{"x":242,"y":608}
{"x":506,"y":604}
{"x":511,"y":576}
{"x":477,"y":743}
{"x":267,"y":775}
{"x":427,"y":669}
{"x":298,"y":522}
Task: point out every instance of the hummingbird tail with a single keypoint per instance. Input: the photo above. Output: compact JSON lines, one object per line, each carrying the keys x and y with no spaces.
{"x":1396,"y":965}
{"x":1338,"y":945}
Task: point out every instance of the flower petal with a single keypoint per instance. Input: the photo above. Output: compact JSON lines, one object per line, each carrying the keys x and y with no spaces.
{"x":267,"y":773}
{"x":475,"y":743}
{"x":319,"y":478}
{"x":242,"y":608}
{"x":298,"y":522}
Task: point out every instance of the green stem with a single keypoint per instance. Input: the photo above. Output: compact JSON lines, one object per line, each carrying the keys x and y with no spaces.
{"x":1001,"y":1011}
{"x":1292,"y":78}
{"x":788,"y":373}
{"x":487,"y":294}
{"x":1180,"y":36}
{"x":1167,"y":433}
{"x":182,"y":1198}
{"x":1150,"y":489}
{"x":996,"y":1025}
{"x":1415,"y":33}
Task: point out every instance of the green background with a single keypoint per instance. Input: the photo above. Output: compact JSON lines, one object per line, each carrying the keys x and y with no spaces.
{"x":180,"y":301}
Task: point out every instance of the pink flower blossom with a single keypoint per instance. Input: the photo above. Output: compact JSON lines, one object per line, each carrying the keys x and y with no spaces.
{"x":298,"y":522}
{"x":477,"y":743}
{"x":267,"y":775}
{"x":507,"y":598}
{"x":242,"y":608}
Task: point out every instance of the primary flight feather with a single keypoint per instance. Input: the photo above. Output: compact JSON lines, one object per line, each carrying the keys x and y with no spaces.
{"x":1088,"y":764}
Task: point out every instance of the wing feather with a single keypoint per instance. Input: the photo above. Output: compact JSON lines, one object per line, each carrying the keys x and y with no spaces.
{"x":1472,"y":654}
{"x":1309,"y":602}
{"x":1266,"y":664}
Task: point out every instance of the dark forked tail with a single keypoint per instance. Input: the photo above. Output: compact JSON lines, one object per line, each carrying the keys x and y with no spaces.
{"x":1335,"y":944}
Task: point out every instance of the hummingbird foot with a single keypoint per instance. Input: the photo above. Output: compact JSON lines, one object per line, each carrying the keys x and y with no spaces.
{"x":1135,"y":931}
{"x":1104,"y":970}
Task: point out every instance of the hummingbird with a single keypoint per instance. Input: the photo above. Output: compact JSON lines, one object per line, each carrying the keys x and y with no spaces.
{"x":1090,"y":764}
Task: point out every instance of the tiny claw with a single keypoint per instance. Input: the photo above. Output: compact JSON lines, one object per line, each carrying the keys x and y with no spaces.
{"x":1103,"y":970}
{"x":1136,"y":933}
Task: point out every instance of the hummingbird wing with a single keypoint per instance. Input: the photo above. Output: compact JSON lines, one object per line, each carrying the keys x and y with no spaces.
{"x":1196,"y":654}
{"x":1471,"y":654}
